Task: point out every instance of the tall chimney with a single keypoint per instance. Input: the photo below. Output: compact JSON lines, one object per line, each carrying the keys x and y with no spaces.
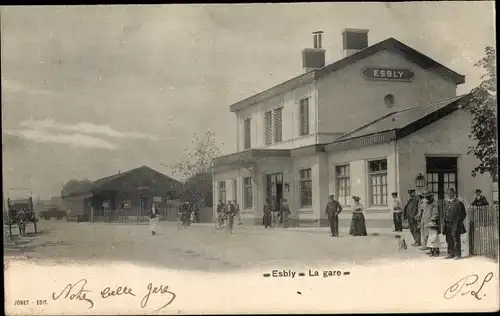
{"x":354,"y":40}
{"x":314,"y":58}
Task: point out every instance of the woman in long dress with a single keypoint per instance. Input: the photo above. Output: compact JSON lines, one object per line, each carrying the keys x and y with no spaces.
{"x":358,"y":225}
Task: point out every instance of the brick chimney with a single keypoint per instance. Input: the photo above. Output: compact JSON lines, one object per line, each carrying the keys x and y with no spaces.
{"x":354,"y":40}
{"x":314,"y":58}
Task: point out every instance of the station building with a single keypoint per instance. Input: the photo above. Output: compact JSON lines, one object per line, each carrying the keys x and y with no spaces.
{"x":384,"y":118}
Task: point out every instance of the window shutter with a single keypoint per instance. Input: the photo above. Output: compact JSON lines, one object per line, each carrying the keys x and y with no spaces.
{"x":268,"y":130}
{"x":277,"y":125}
{"x":247,"y":140}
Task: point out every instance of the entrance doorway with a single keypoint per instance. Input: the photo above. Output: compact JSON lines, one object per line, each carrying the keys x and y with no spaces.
{"x":441,"y":175}
{"x":274,"y":188}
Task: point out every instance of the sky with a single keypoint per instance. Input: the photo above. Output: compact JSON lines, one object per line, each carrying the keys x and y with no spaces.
{"x":91,"y":90}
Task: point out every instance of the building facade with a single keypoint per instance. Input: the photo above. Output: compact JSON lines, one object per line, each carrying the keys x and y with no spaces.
{"x":132,"y":193}
{"x":382,"y":119}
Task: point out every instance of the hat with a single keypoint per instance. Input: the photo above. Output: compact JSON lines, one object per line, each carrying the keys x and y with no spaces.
{"x":479,"y":191}
{"x":411,"y":190}
{"x":427,"y":193}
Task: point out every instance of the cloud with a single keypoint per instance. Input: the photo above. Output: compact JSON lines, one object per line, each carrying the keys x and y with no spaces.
{"x":75,"y":140}
{"x":85,"y":128}
{"x":16,"y":86}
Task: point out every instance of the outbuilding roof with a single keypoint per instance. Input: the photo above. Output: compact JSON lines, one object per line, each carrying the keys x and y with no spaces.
{"x":398,"y":119}
{"x":390,"y":44}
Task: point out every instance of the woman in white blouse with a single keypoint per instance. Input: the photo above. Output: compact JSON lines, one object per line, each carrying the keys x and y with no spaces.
{"x":358,"y":225}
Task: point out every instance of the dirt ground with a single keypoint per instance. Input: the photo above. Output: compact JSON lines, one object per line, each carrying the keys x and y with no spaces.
{"x":201,"y":247}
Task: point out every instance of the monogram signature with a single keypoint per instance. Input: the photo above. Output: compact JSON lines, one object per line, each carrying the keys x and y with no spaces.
{"x":464,"y":286}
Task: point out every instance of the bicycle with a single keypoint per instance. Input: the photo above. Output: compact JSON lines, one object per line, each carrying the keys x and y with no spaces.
{"x":220,"y":222}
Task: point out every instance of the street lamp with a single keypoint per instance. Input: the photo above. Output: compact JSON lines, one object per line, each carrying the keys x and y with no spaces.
{"x":420,"y":181}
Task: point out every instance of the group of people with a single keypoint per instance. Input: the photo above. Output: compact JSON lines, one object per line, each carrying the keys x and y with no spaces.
{"x":228,"y":211}
{"x":188,"y":212}
{"x":358,"y":224}
{"x":276,"y":215}
{"x":425,"y":222}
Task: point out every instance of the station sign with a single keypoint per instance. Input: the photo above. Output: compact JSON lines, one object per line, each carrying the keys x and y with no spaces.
{"x":390,"y":74}
{"x":157,"y":199}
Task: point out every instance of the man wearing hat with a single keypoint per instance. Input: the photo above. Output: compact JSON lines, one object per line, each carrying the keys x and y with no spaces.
{"x":333,"y":209}
{"x":479,"y":202}
{"x":397,"y":215}
{"x":454,"y":217}
{"x":411,"y":212}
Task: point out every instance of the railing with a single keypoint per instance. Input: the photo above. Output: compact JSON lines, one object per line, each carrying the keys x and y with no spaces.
{"x":482,"y":225}
{"x":166,"y":214}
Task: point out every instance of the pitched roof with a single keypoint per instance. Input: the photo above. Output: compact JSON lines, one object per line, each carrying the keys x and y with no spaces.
{"x":102,"y":181}
{"x":99,"y":183}
{"x":390,"y":44}
{"x":399,"y":119}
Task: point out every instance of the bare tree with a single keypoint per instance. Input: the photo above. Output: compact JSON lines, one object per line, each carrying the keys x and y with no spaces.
{"x":196,"y":168}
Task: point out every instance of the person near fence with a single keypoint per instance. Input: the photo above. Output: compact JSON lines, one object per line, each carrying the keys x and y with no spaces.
{"x":358,"y":224}
{"x":433,"y":223}
{"x":196,"y":212}
{"x":154,"y":216}
{"x":480,"y":200}
{"x":454,"y":216}
{"x":411,"y":214}
{"x":423,"y":218}
{"x":185,"y":212}
{"x":285,"y":212}
{"x":333,"y":209}
{"x":478,"y":204}
{"x":237,"y":211}
{"x":397,"y":212}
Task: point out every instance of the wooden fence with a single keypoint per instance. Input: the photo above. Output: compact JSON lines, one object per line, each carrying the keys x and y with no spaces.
{"x":166,"y":214}
{"x":482,"y":224}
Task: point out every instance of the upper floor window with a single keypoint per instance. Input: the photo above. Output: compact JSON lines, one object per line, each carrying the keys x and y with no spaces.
{"x":377,"y":170}
{"x":343,"y":184}
{"x":278,"y":131}
{"x":304,"y":116}
{"x":247,"y":135}
{"x":268,"y":128}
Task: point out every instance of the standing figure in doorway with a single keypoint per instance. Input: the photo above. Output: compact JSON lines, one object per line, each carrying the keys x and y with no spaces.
{"x":275,"y":210}
{"x":267,"y":218}
{"x":411,"y":214}
{"x":154,"y":215}
{"x":397,"y":215}
{"x":285,"y":212}
{"x":333,"y":209}
{"x":454,"y":217}
{"x":358,"y":224}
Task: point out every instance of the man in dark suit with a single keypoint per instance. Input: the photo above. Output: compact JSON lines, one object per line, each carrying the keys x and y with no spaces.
{"x":411,"y":213}
{"x":333,"y":209}
{"x":454,"y":216}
